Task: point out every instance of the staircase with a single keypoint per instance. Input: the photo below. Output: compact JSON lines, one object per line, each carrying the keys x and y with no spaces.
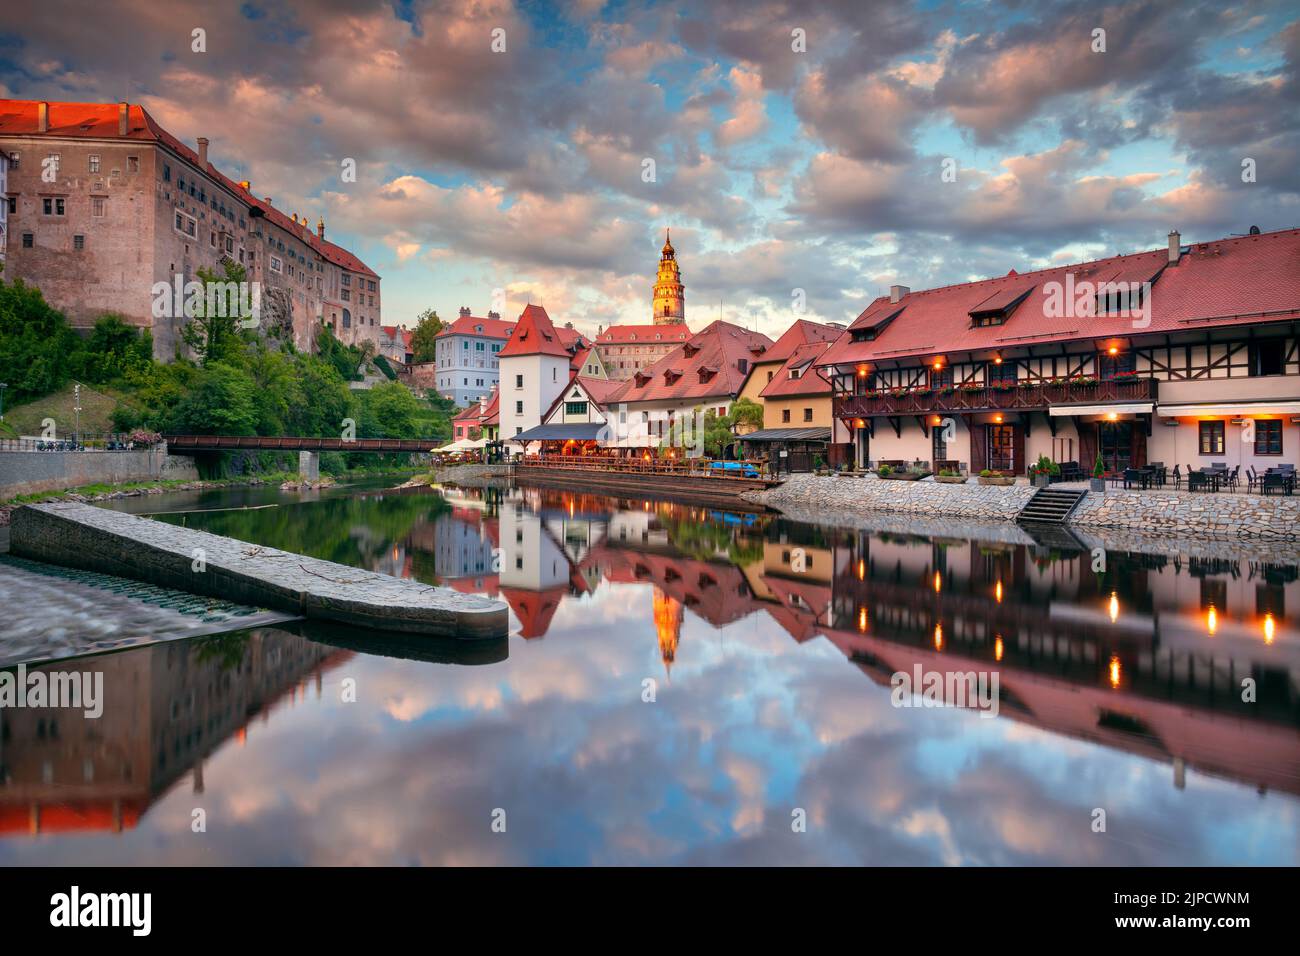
{"x":1050,"y":506}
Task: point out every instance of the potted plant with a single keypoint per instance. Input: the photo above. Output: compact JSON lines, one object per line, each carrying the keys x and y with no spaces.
{"x":1098,"y":482}
{"x":950,"y":476}
{"x":1043,"y":471}
{"x":884,"y":471}
{"x":988,"y":477}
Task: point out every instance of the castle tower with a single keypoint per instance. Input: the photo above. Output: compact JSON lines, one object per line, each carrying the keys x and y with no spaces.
{"x":670,"y":294}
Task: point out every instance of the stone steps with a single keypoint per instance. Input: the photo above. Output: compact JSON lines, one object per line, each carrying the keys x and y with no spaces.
{"x":1050,"y":506}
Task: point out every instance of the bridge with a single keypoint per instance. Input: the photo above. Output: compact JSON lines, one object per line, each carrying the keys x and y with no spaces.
{"x":308,"y":449}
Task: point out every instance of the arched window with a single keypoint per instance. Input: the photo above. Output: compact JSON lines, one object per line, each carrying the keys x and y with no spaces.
{"x":347,"y":319}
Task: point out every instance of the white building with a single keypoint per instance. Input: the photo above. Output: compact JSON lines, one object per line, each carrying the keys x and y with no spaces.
{"x":536,"y":365}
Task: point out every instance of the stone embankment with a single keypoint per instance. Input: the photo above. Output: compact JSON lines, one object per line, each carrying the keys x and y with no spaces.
{"x":468,"y":475}
{"x":867,"y":501}
{"x":112,"y":542}
{"x":1191,"y":514}
{"x":871,"y":495}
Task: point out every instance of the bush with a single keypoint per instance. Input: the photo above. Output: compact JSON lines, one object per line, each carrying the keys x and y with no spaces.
{"x":884,"y":471}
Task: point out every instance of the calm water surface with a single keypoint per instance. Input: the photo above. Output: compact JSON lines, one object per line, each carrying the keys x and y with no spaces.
{"x":767,"y":647}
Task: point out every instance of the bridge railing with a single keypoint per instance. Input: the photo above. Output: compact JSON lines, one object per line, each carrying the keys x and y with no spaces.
{"x":180,"y":443}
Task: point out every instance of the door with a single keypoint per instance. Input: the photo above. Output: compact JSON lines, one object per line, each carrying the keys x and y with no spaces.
{"x":1115,"y":441}
{"x":1002,"y":448}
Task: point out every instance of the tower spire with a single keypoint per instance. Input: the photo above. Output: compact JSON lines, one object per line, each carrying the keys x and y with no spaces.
{"x":669,"y":301}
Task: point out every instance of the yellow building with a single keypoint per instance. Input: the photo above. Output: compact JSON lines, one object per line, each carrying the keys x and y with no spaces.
{"x":669,"y":293}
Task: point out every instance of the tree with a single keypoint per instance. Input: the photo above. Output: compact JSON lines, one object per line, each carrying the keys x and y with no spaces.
{"x":222,"y":403}
{"x":114,"y":349}
{"x":36,"y":343}
{"x":424,"y":338}
{"x":212,"y":332}
{"x":391,"y":411}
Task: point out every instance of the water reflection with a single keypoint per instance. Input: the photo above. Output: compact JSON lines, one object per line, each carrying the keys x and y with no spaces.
{"x":772,"y":644}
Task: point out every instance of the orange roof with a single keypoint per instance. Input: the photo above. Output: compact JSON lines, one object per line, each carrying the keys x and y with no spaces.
{"x":470,"y":324}
{"x":623,"y":334}
{"x":100,"y":121}
{"x":712,"y":363}
{"x":1244,"y":280}
{"x":534,"y":608}
{"x":809,"y":382}
{"x":535,"y":335}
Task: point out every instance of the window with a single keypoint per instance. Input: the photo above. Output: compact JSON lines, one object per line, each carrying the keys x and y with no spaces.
{"x":13,"y":205}
{"x":78,"y":242}
{"x":97,"y":206}
{"x":575,"y":408}
{"x":519,"y":381}
{"x":185,"y":224}
{"x":1268,"y":437}
{"x":347,"y":319}
{"x":1268,"y":357}
{"x":13,"y":160}
{"x":52,"y":207}
{"x":27,"y":240}
{"x":1211,"y":438}
{"x":1004,"y":373}
{"x":278,"y":266}
{"x":941,"y":377}
{"x":133,"y":164}
{"x":478,"y":346}
{"x":1112,"y":365}
{"x":785,"y":416}
{"x":94,"y":162}
{"x":519,"y":409}
{"x":807,"y":414}
{"x":769,"y":376}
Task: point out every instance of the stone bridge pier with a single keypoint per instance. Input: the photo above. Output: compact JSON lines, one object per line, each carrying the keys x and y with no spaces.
{"x":309,"y":465}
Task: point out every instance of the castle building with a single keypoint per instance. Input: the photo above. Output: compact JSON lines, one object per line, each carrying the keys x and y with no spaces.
{"x":104,"y":204}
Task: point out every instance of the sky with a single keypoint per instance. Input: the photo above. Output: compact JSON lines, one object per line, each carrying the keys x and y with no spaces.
{"x":804,"y":154}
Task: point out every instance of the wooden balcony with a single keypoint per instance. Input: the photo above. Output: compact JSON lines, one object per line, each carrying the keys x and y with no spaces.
{"x":1023,"y":396}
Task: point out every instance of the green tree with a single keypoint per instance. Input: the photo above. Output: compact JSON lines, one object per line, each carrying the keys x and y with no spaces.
{"x":114,"y":349}
{"x":223,"y":402}
{"x":390,"y":411}
{"x":424,"y":338}
{"x":212,"y":329}
{"x":37,"y":347}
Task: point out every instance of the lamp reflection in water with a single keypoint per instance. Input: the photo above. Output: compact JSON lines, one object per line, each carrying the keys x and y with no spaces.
{"x":997,"y":648}
{"x":1114,"y":671}
{"x":1212,"y":620}
{"x":1270,"y":628}
{"x":938,"y":637}
{"x":1114,"y":607}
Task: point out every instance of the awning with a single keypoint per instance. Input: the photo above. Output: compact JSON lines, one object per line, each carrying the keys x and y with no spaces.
{"x":1134,"y":408}
{"x":788,"y":434}
{"x":578,"y":431}
{"x":1243,"y":409}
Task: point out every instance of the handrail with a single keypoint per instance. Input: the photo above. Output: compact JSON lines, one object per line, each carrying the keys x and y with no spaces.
{"x":685,"y":468}
{"x":1005,"y":397}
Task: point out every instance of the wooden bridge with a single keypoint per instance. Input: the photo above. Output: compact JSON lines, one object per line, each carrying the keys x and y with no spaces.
{"x":184,"y":443}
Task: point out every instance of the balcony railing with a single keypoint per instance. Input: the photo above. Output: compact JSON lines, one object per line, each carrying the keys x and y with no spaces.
{"x":1009,"y":397}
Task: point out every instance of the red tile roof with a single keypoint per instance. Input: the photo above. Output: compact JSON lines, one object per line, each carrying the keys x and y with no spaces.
{"x":466,"y":325}
{"x":492,"y":414}
{"x":809,"y":382}
{"x":100,"y":121}
{"x":708,"y":365}
{"x":800,"y":333}
{"x":624,"y":334}
{"x":1249,"y":279}
{"x":534,"y":335}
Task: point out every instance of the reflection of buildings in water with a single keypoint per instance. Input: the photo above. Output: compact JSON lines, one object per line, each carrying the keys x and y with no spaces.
{"x":167,"y":707}
{"x":668,"y":626}
{"x":1128,"y":658}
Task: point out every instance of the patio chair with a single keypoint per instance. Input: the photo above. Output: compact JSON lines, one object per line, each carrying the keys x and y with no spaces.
{"x":1234,"y":478}
{"x":1252,"y":479}
{"x":1132,"y":476}
{"x":1178,"y":477}
{"x":1197,"y":481}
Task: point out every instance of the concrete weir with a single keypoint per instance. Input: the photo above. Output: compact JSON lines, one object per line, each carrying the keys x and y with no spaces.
{"x":96,"y":539}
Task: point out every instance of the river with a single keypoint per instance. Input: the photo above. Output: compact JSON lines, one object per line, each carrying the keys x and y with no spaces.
{"x":688,"y":685}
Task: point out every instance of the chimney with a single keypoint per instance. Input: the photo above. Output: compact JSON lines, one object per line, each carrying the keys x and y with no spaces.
{"x":203,"y":152}
{"x":1175,"y":247}
{"x":482,"y":404}
{"x":42,"y":117}
{"x":320,"y":227}
{"x":267,"y":200}
{"x":295,"y":218}
{"x":123,"y":118}
{"x":245,"y":185}
{"x":494,"y":315}
{"x":464,"y":312}
{"x":896,"y":292}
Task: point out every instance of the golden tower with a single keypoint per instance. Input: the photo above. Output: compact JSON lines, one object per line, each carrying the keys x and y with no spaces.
{"x":670,"y":294}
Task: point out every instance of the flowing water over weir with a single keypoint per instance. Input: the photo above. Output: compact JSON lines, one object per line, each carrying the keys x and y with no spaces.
{"x":678,"y":680}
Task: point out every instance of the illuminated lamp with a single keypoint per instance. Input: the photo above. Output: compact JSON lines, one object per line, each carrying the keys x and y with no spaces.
{"x":938,"y":363}
{"x":997,"y":360}
{"x":936,"y":420}
{"x":998,"y":419}
{"x":1236,"y":421}
{"x":1270,"y":627}
{"x":1113,"y":350}
{"x":1112,"y":416}
{"x":862,"y":371}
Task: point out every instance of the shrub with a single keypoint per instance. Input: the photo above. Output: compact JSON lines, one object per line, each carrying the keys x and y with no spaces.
{"x":1099,"y":467}
{"x":884,"y":471}
{"x":985,"y":473}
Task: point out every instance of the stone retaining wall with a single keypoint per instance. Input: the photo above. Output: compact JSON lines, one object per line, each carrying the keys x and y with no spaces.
{"x":870,"y":494}
{"x":112,"y":542}
{"x":1191,"y":514}
{"x":33,"y":472}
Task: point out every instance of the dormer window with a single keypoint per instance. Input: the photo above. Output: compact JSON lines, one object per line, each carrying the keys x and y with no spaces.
{"x":997,"y":308}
